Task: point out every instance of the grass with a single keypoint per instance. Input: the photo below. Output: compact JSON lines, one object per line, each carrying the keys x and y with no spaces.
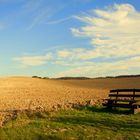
{"x":87,"y":123}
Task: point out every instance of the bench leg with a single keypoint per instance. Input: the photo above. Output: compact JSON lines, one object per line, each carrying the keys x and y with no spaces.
{"x":109,"y":107}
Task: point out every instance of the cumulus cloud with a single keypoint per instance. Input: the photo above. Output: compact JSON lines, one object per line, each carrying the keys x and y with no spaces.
{"x":114,"y":31}
{"x":34,"y":60}
{"x":103,"y":69}
{"x":75,"y":54}
{"x":64,"y":53}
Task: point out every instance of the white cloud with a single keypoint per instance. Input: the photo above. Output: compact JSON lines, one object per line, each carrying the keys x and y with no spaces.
{"x":103,"y":69}
{"x":64,"y":53}
{"x":34,"y":60}
{"x":114,"y":31}
{"x":41,"y":11}
{"x":60,"y":20}
{"x":39,"y":18}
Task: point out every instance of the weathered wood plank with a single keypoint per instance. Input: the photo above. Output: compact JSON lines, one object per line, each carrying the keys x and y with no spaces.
{"x":121,"y":105}
{"x":124,"y":90}
{"x":123,"y":100}
{"x":124,"y":95}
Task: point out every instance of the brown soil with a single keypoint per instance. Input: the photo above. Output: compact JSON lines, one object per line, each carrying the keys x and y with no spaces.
{"x":21,"y":93}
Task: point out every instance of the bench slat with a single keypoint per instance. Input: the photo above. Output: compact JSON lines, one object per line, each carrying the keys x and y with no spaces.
{"x":117,"y":105}
{"x":124,"y":90}
{"x":124,"y":95}
{"x":122,"y":100}
{"x":122,"y":105}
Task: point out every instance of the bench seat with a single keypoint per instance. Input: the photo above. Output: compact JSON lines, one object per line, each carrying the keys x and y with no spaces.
{"x":122,"y":100}
{"x":119,"y":105}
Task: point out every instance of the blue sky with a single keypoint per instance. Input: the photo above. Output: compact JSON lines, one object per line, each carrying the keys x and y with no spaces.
{"x":69,"y":38}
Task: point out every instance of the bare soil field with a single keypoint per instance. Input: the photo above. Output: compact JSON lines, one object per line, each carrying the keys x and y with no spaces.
{"x":21,"y":93}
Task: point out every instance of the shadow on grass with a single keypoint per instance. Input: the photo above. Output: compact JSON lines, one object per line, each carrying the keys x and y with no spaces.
{"x":110,"y":124}
{"x":105,"y":110}
{"x":103,"y":119}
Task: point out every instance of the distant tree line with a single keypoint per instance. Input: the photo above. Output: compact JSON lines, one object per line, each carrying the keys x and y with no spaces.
{"x":73,"y":78}
{"x":123,"y":76}
{"x":62,"y":78}
{"x":40,"y":77}
{"x":85,"y":78}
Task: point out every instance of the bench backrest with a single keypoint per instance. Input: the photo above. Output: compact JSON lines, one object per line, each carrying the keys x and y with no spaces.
{"x":116,"y":93}
{"x":124,"y":90}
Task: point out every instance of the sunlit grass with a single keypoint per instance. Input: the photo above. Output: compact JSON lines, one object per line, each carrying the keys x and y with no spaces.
{"x":83,"y":124}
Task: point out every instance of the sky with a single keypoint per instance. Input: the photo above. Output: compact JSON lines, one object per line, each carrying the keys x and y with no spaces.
{"x":56,"y":38}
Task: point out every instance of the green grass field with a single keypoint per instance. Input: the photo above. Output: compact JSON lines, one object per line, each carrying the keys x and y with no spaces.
{"x":83,"y":124}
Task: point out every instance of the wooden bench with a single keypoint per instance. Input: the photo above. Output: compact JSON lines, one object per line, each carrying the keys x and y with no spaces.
{"x":124,"y":98}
